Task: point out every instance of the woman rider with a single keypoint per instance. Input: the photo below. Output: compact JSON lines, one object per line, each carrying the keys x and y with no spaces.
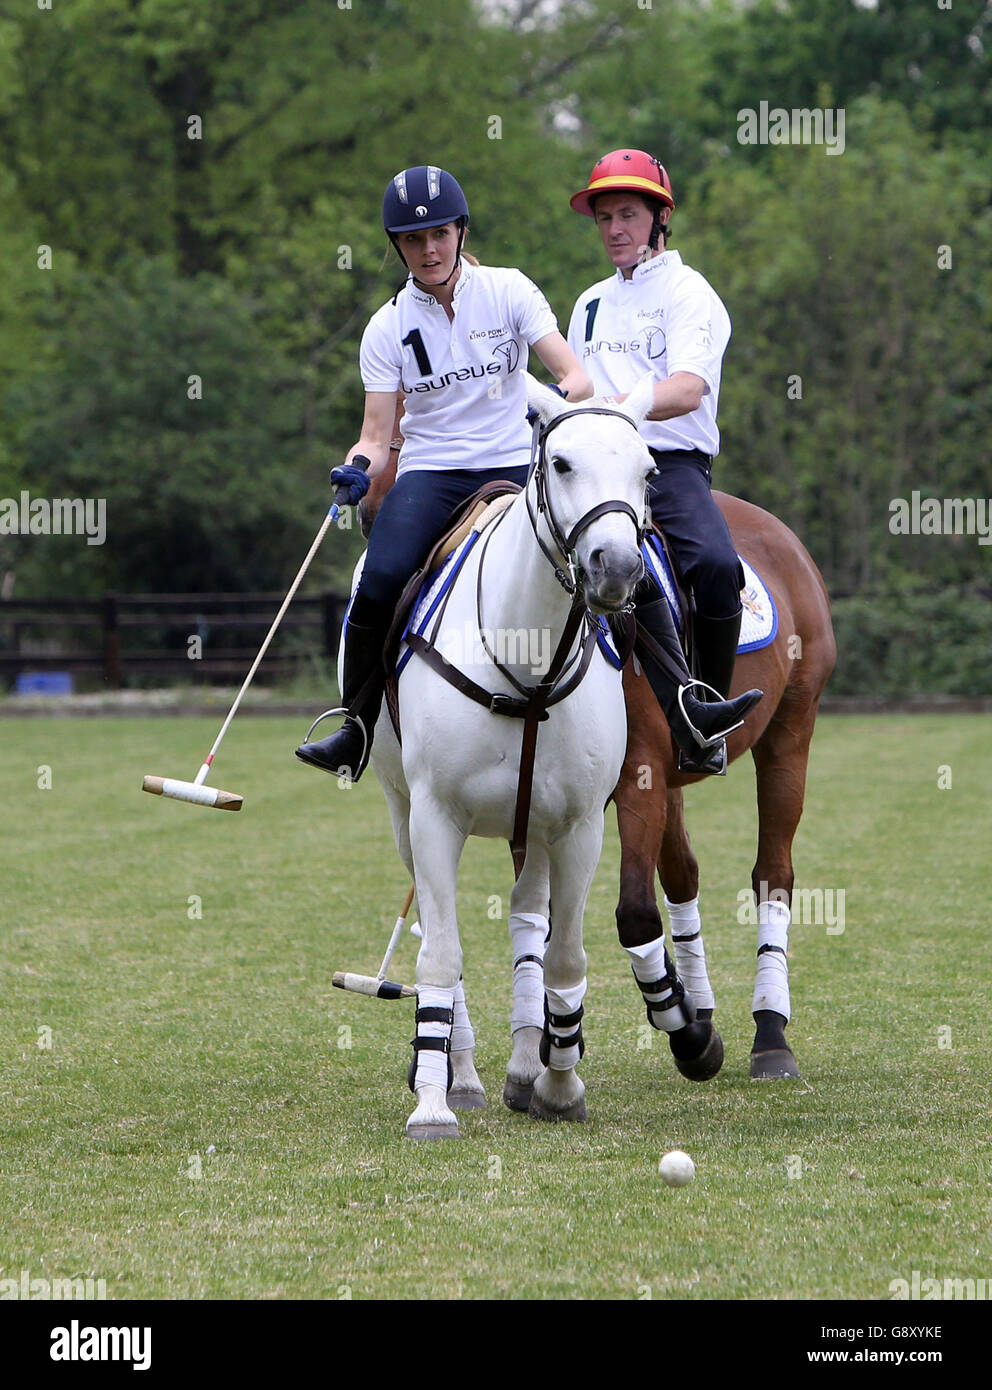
{"x":454,"y":340}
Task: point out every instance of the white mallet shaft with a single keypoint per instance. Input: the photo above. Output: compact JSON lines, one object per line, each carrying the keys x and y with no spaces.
{"x":197,"y":791}
{"x":331,"y":516}
{"x":397,"y":933}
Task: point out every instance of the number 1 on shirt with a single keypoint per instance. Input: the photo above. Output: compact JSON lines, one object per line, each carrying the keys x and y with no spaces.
{"x":414,"y":340}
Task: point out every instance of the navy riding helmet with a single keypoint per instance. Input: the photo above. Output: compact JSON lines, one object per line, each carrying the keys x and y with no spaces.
{"x":424,"y":196}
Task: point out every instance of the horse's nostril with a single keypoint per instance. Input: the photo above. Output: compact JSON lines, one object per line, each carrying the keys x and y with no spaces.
{"x":596,"y":559}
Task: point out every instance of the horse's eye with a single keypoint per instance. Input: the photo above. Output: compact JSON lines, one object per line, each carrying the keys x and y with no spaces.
{"x":560,"y":465}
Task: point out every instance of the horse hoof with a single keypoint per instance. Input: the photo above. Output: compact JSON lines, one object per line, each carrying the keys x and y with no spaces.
{"x":433,"y":1131}
{"x":778,"y":1064}
{"x":462,"y":1098}
{"x":707,"y":1064}
{"x":576,"y":1112}
{"x":517,"y":1094}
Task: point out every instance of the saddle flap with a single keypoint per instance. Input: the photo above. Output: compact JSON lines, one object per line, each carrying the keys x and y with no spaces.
{"x":465,"y":518}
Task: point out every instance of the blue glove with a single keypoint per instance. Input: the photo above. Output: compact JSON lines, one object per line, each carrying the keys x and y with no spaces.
{"x":352,"y":484}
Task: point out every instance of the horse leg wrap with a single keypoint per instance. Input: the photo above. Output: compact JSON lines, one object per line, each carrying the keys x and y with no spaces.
{"x":771,"y":983}
{"x":431,"y":1065}
{"x":669,"y":1007}
{"x":690,"y":953}
{"x":462,"y":1032}
{"x":562,"y":1046}
{"x":528,"y":933}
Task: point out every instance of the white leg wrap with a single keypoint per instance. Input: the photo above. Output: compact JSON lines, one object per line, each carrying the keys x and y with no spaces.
{"x":462,"y":1032}
{"x":690,"y":956}
{"x":528,"y":933}
{"x":649,"y":965}
{"x":432,"y":1066}
{"x":562,"y":1003}
{"x":771,"y":984}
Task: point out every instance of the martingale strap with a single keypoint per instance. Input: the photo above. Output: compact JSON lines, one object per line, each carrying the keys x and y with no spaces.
{"x":540,"y":698}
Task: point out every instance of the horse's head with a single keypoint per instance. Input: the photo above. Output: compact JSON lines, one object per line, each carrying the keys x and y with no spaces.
{"x":590,"y":487}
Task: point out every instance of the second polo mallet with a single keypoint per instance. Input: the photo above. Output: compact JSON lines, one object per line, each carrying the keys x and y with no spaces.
{"x":197,"y":792}
{"x":377,"y":985}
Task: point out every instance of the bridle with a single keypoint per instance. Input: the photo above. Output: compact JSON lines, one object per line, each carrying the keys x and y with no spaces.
{"x":568,"y":577}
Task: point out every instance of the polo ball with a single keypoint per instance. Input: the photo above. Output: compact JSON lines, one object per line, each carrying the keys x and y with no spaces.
{"x":677,"y":1168}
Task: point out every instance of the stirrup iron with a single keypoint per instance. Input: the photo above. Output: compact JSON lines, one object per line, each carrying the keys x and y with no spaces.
{"x":714,"y":739}
{"x":355,"y":718}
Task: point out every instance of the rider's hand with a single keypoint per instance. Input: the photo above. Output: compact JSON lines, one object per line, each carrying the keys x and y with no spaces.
{"x":353,"y":483}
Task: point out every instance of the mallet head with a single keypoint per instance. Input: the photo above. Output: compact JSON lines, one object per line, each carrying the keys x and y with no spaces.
{"x":196,"y":792}
{"x":372,"y":985}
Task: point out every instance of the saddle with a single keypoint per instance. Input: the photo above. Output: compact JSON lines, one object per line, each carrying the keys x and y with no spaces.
{"x":474,"y":514}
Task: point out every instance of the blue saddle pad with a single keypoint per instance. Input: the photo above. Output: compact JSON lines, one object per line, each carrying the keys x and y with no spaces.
{"x":759,"y":623}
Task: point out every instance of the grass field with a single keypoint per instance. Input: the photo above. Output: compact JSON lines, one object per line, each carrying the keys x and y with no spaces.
{"x":211,"y":1119}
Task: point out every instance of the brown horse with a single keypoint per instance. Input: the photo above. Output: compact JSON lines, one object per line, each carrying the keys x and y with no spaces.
{"x":792,"y":671}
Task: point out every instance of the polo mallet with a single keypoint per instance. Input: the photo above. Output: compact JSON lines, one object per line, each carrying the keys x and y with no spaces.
{"x":197,"y":791}
{"x":378,"y":986}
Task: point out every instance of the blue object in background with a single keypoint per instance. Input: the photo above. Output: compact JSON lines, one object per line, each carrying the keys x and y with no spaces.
{"x":44,"y":683}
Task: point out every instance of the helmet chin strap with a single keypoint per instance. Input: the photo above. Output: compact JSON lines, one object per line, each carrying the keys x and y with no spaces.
{"x":656,"y":225}
{"x":458,"y":256}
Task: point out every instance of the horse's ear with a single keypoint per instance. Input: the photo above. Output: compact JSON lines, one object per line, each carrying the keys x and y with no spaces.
{"x":548,"y":404}
{"x":640,"y":400}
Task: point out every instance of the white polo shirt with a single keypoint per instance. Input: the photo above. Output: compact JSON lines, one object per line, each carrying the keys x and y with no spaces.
{"x":666,"y":318}
{"x":463,"y":381}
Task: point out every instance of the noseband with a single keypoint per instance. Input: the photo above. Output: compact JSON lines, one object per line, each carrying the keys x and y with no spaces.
{"x":566,"y":544}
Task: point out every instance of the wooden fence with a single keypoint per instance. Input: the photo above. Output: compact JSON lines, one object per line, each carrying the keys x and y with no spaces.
{"x":202,"y":636}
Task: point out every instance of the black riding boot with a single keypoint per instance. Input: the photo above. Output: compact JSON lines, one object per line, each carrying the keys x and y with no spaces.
{"x":715,"y":649}
{"x":699,"y":728}
{"x":346,"y":753}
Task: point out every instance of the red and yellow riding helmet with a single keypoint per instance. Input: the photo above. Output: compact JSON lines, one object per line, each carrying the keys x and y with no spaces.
{"x":626,"y":171}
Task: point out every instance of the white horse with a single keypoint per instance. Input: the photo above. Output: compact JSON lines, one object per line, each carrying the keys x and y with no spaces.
{"x":577,"y":526}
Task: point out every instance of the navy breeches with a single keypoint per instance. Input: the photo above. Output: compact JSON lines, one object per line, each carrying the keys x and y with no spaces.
{"x":411,"y":520}
{"x":683,"y":507}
